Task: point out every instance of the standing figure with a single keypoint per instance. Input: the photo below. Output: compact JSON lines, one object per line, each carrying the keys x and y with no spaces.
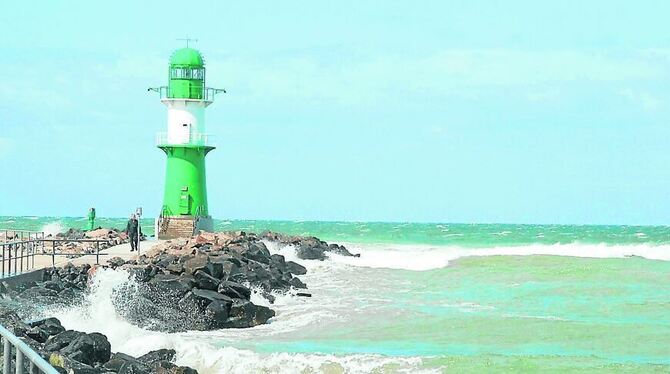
{"x":91,"y":219}
{"x":134,"y":231}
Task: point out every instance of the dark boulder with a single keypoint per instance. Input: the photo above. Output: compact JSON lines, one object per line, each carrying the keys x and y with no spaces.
{"x":123,"y":363}
{"x":297,"y":283}
{"x":197,"y":300}
{"x":62,"y":340}
{"x":51,"y":326}
{"x":12,"y":322}
{"x":217,"y":313}
{"x":234,"y":290}
{"x":295,"y":268}
{"x":307,"y":251}
{"x":90,"y":349}
{"x":258,"y":252}
{"x":55,"y":285}
{"x":199,"y":262}
{"x":37,"y":334}
{"x":154,"y":357}
{"x":170,"y":286}
{"x":206,"y":281}
{"x":244,"y":313}
{"x":102,"y":349}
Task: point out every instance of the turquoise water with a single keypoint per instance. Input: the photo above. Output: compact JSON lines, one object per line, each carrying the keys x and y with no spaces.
{"x":438,"y":298}
{"x":466,"y":235}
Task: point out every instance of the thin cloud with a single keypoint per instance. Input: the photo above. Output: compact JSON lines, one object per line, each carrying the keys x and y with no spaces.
{"x":446,"y":73}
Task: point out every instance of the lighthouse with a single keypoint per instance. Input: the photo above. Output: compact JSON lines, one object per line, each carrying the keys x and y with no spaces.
{"x":185,"y":143}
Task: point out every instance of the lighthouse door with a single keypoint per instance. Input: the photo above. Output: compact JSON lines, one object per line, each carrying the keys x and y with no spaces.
{"x":186,"y":133}
{"x":184,"y":203}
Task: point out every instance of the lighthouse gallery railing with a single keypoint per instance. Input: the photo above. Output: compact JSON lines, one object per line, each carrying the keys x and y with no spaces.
{"x":197,"y":138}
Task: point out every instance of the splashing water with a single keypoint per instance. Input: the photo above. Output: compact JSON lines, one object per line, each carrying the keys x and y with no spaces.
{"x":53,"y":228}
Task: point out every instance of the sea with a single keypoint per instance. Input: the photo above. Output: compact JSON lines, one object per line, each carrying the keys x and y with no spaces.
{"x":430,"y":298}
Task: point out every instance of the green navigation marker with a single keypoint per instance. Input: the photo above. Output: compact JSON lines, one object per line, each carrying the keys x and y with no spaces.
{"x":186,"y":144}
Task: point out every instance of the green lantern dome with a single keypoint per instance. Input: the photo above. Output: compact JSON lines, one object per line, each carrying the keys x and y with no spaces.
{"x":187,"y":56}
{"x":187,"y":75}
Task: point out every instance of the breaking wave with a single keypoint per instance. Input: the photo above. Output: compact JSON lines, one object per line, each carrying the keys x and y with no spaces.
{"x":424,"y":257}
{"x":213,"y":351}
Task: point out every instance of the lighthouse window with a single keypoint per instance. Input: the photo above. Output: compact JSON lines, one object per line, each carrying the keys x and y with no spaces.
{"x":186,"y":73}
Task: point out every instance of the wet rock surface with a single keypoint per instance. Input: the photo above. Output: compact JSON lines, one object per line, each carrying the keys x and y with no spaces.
{"x":205,"y":283}
{"x":81,"y":353}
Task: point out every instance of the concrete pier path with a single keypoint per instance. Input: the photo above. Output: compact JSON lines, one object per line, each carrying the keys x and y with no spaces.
{"x":121,"y":250}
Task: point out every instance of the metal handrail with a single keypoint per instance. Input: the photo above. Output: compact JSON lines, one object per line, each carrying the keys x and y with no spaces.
{"x":198,"y":214}
{"x":27,"y":252}
{"x":22,"y":350}
{"x":164,"y":220}
{"x":196,"y":138}
{"x":206,"y":93}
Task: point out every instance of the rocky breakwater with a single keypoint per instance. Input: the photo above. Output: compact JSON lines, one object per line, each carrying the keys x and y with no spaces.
{"x":69,"y":242}
{"x":77,"y":352}
{"x":206,"y":282}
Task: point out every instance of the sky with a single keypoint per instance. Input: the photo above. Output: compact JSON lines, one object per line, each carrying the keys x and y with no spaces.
{"x":471,"y":111}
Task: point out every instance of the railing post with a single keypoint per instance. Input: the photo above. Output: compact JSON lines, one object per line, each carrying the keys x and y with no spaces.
{"x":97,"y":253}
{"x":9,"y":261}
{"x":16,"y":258}
{"x":3,"y":260}
{"x":53,"y":254}
{"x":7,"y":356}
{"x":19,"y":361}
{"x":22,"y":248}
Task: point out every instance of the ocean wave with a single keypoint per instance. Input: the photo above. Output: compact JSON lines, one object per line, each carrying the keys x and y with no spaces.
{"x":426,"y":257}
{"x":211,"y":351}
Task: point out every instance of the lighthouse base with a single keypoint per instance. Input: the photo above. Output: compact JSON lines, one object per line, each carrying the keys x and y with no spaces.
{"x":172,"y":227}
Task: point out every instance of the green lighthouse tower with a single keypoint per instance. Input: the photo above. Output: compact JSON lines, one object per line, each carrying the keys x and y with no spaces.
{"x":185,"y":144}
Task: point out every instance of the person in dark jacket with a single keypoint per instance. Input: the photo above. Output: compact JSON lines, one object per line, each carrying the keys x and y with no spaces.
{"x":134,"y":231}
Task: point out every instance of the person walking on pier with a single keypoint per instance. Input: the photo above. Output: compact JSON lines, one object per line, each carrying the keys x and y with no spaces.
{"x":134,"y":231}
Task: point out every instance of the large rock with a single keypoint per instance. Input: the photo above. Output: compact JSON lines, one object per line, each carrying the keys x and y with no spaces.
{"x":170,"y":286}
{"x":199,"y":262}
{"x":155,"y":357}
{"x":307,"y":251}
{"x":295,"y":268}
{"x":62,"y":340}
{"x":51,"y":326}
{"x":243,"y":313}
{"x":90,"y":349}
{"x":123,"y":363}
{"x":206,"y":281}
{"x":234,"y":290}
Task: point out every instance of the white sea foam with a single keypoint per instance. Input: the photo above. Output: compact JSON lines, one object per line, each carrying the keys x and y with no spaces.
{"x":425,"y":257}
{"x":53,"y":228}
{"x":213,"y":351}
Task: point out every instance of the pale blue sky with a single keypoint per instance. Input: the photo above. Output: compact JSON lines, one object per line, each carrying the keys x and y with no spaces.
{"x":450,"y":111}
